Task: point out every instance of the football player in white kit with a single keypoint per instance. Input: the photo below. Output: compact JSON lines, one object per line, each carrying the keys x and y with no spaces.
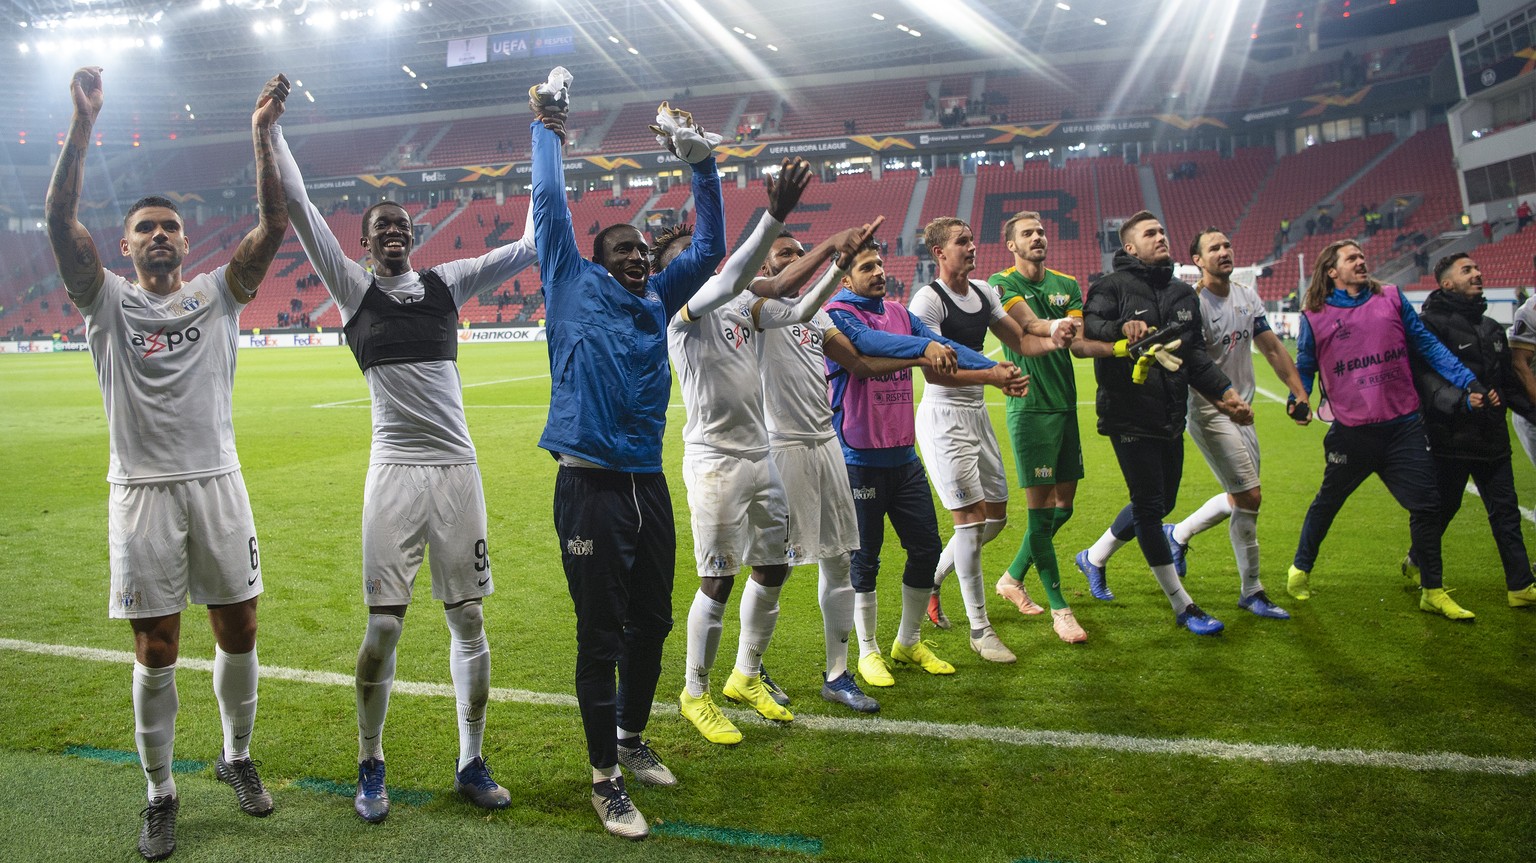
{"x":1233,"y":317}
{"x":423,"y":493}
{"x":954,"y":430}
{"x":179,"y":521}
{"x":735,"y":497}
{"x":822,"y":523}
{"x":1522,"y":354}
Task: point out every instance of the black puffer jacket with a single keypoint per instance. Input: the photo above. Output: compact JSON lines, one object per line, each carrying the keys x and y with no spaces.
{"x":1157,"y":408}
{"x":1480,"y":343}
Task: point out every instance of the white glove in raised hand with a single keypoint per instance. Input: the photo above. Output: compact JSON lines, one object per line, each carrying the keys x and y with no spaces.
{"x":676,"y":131}
{"x":554,"y":92}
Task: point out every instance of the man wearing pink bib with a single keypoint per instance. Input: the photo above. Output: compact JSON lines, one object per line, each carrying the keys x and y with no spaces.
{"x":1356,"y":334}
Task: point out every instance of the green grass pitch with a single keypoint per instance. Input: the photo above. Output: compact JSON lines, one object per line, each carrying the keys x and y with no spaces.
{"x":1359,"y":675}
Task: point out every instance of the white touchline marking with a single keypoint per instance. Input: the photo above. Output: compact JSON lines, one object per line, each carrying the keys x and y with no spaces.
{"x":1452,"y":762}
{"x":1529,"y":514}
{"x":344,"y":403}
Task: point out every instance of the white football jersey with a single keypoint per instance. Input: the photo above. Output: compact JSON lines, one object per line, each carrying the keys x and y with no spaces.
{"x":166,"y":366}
{"x":1229,"y":324}
{"x":794,"y":373}
{"x":717,"y":364}
{"x":1523,"y":330}
{"x":418,"y":408}
{"x":931,"y":310}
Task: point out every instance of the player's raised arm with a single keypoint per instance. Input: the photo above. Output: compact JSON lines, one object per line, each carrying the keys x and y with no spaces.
{"x":741,"y":268}
{"x":255,"y":253}
{"x":73,"y":248}
{"x":553,"y":233}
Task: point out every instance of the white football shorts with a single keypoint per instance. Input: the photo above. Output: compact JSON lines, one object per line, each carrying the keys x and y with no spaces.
{"x":822,"y":522}
{"x":961,"y":454}
{"x":169,"y":541}
{"x":409,"y":509}
{"x":1231,"y":450}
{"x":737,"y":509}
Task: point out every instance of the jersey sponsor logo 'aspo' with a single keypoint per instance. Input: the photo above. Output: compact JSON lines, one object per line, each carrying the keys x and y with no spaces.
{"x":160,"y":340}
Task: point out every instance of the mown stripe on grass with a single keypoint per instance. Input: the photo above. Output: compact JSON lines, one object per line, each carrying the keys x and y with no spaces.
{"x":349,"y":790}
{"x":118,"y":756}
{"x":739,"y":838}
{"x":1451,"y":762}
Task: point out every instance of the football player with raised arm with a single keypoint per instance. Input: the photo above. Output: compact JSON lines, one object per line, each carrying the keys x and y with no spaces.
{"x":179,"y":522}
{"x":423,"y":495}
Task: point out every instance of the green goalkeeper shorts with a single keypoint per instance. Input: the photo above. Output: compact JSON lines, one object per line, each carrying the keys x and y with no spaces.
{"x":1047,"y":447}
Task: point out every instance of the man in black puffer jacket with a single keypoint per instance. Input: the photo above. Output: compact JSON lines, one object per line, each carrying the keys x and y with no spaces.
{"x":1469,"y":434}
{"x":1142,"y":410}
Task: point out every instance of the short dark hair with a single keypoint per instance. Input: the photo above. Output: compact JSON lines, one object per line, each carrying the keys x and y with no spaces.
{"x":368,"y":213}
{"x":1133,"y":221}
{"x":785,"y":235}
{"x":1194,"y":245}
{"x":150,"y":201}
{"x":1022,"y":216}
{"x":597,"y":241}
{"x":665,"y":240}
{"x":1446,"y":263}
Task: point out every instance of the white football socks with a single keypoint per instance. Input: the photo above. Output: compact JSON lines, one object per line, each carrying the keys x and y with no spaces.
{"x":705,"y":623}
{"x":375,"y":678}
{"x":1244,"y":532}
{"x":154,"y":725}
{"x":967,"y":545}
{"x":759,"y":615}
{"x":834,"y":591}
{"x":914,"y":609}
{"x":1211,"y":513}
{"x":234,"y":685}
{"x":992,"y":528}
{"x":1168,"y":580}
{"x":469,"y":663}
{"x":1100,"y":552}
{"x":866,"y":608}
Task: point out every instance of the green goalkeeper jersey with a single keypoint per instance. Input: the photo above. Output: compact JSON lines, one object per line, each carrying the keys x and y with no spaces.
{"x":1052,"y":385}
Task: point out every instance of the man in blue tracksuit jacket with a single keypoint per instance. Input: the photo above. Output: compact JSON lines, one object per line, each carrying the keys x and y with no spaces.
{"x":610,"y":383}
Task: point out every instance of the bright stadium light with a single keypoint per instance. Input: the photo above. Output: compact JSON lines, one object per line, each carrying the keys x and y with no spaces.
{"x":634,"y":51}
{"x":309,"y":95}
{"x":1063,"y":7}
{"x":877,"y":16}
{"x":325,"y":19}
{"x":914,"y":33}
{"x":902,"y":27}
{"x":209,"y":5}
{"x":259,"y":28}
{"x":155,"y":41}
{"x":613,"y":39}
{"x":1100,"y":21}
{"x":772,"y":47}
{"x":423,"y":85}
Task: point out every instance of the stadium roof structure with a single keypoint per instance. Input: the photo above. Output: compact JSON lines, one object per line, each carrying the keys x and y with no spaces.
{"x":194,"y":66}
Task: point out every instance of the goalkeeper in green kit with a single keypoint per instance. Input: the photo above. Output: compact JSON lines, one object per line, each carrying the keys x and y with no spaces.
{"x":1043,"y":424}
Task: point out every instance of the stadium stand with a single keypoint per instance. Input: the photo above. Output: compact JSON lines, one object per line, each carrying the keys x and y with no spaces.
{"x":884,"y":106}
{"x":1218,"y":194}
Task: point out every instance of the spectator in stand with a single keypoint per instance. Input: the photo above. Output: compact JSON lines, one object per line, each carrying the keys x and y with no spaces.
{"x":1285,"y":229}
{"x":1325,"y":221}
{"x":458,"y":241}
{"x":1523,"y":213}
{"x":1488,"y":231}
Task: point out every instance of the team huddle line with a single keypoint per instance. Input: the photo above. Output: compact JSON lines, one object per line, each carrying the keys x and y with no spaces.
{"x":800,"y":441}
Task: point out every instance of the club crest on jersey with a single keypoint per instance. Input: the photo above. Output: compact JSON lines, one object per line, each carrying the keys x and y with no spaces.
{"x":578,"y":547}
{"x":128,"y":600}
{"x":1044,"y":472}
{"x":1338,"y":458}
{"x":193,"y":303}
{"x":373,"y":586}
{"x":1059,"y":300}
{"x":865,"y":493}
{"x":160,"y":340}
{"x":1184,"y":315}
{"x":722,"y":563}
{"x":794,"y":553}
